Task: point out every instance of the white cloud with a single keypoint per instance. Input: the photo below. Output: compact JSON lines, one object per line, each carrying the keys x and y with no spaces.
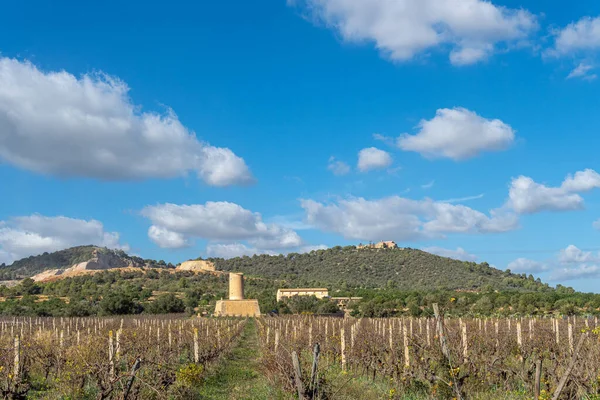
{"x":596,"y":224}
{"x":527,"y":196}
{"x":458,"y":134}
{"x":524,"y":265}
{"x":580,"y":272}
{"x":373,"y":158}
{"x":390,"y":141}
{"x":167,"y":239}
{"x":215,"y":221}
{"x":56,"y":123}
{"x":397,"y":218}
{"x":466,"y":198}
{"x":582,"y":71}
{"x":338,"y":168}
{"x":428,"y":185}
{"x":573,"y":255}
{"x":458,"y":254}
{"x":35,"y":234}
{"x":402,"y":29}
{"x":231,"y":250}
{"x":583,"y":35}
{"x":574,"y":263}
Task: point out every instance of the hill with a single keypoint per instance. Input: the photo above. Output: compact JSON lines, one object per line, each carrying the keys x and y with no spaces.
{"x":399,"y":268}
{"x":84,"y":257}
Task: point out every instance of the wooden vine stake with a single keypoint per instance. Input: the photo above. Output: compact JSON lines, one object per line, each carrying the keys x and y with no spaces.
{"x":17,"y":366}
{"x":406,"y":353}
{"x":343,"y":348}
{"x":465,"y":345}
{"x":196,"y":347}
{"x":111,"y":359}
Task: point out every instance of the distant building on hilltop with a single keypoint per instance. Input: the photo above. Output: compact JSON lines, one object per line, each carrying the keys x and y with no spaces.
{"x":381,"y":245}
{"x":319,"y":293}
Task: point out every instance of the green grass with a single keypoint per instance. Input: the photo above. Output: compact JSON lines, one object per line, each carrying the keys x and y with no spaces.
{"x":238,"y":376}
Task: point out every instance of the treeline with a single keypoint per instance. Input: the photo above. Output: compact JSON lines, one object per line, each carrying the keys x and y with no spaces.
{"x":562,"y":301}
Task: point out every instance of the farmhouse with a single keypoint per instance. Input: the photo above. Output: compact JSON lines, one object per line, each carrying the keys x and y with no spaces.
{"x":319,"y":293}
{"x":389,"y":244}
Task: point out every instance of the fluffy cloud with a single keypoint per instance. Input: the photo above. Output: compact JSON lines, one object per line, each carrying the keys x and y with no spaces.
{"x":582,"y":71}
{"x":583,"y":35}
{"x":56,"y":123}
{"x":575,"y":263}
{"x":174,"y":225}
{"x":338,"y":168}
{"x":458,"y":134}
{"x":570,"y":263}
{"x":524,"y":265}
{"x":373,"y":158}
{"x":35,"y":234}
{"x":596,"y":224}
{"x":231,"y":250}
{"x":401,"y":29}
{"x":527,"y":196}
{"x":458,"y":254}
{"x":573,"y":255}
{"x":397,"y":218}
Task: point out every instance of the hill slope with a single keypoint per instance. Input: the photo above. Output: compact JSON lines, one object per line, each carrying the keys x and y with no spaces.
{"x":102,"y":257}
{"x":402,"y":268}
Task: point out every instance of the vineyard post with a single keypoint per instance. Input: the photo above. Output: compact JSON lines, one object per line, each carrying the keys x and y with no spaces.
{"x":538,"y":378}
{"x":406,"y":354}
{"x":428,"y":334}
{"x":298,"y":376}
{"x":519,"y":339}
{"x":276,"y":340}
{"x":110,"y":354}
{"x":313,"y":371}
{"x":465,"y":345}
{"x":440,"y":330}
{"x":571,"y":338}
{"x":17,"y":366}
{"x":496,"y":328}
{"x":343,"y":348}
{"x":118,"y":351}
{"x":196,"y":349}
{"x":557,"y":331}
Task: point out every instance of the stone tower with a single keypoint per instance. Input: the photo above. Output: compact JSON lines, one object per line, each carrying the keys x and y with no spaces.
{"x":237,"y":305}
{"x":236,"y":286}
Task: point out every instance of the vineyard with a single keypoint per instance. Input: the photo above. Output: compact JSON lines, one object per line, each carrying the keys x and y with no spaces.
{"x":302,"y":356}
{"x":432,"y":358}
{"x":100,"y":358}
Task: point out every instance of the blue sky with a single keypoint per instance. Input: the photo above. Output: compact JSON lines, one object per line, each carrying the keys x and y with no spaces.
{"x":182,"y":130}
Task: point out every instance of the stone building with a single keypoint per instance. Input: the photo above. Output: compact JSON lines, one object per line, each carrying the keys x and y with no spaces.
{"x":237,"y":305}
{"x":389,"y":244}
{"x":319,"y":293}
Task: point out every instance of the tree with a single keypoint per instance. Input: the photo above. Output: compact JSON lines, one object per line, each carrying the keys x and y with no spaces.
{"x":166,"y":304}
{"x":119,"y":304}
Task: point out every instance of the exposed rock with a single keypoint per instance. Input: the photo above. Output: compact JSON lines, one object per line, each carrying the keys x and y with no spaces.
{"x":196,"y":265}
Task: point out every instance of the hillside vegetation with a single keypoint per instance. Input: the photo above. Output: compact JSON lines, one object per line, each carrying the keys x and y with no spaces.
{"x":401,"y":268}
{"x":30,"y":266}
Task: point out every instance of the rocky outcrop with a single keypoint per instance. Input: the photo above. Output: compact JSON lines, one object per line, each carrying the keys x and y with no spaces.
{"x":196,"y":266}
{"x":100,"y":261}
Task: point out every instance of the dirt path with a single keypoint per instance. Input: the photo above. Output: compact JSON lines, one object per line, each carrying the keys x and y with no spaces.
{"x":238,"y":377}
